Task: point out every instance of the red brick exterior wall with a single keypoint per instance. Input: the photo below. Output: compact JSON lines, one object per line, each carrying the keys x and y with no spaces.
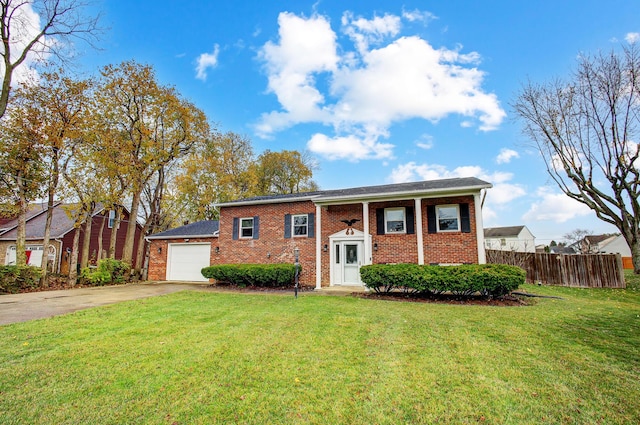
{"x":158,"y":251}
{"x":272,"y":247}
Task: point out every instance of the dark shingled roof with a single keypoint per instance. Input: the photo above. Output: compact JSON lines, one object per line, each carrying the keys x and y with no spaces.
{"x":501,"y":232}
{"x":426,"y":186}
{"x":205,"y":228}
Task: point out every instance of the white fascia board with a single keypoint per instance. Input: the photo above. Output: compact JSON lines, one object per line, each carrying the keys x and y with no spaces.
{"x":400,"y":196}
{"x":266,"y":201}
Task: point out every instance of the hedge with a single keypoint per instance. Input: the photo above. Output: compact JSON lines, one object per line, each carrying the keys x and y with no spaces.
{"x":109,"y":270}
{"x":264,"y":275}
{"x":492,"y":280}
{"x":14,"y":279}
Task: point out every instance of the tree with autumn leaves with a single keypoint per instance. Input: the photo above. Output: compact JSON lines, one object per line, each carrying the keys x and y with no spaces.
{"x":124,"y":139}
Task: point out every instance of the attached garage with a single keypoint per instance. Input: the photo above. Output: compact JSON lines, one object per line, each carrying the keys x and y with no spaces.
{"x":180,"y":254}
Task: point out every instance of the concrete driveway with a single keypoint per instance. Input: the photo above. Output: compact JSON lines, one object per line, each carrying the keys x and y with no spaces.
{"x":38,"y":305}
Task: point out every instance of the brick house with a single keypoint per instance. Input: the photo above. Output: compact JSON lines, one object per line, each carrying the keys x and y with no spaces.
{"x":61,"y":237}
{"x":337,"y":231}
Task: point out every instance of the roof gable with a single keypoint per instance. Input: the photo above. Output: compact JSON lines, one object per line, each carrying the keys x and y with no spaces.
{"x":503,"y":232}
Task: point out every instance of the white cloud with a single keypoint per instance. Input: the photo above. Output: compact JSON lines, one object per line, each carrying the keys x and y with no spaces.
{"x":369,"y":89}
{"x":418,"y":15}
{"x":501,"y":193}
{"x":206,"y":61}
{"x":425,"y":142}
{"x":632,"y":37}
{"x":352,"y":148}
{"x":506,"y":155}
{"x":554,"y":206}
{"x":364,"y":32}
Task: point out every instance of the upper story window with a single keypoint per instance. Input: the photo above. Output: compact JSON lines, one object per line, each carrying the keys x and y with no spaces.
{"x":112,"y":219}
{"x":300,"y":224}
{"x":394,"y":220}
{"x":246,"y":228}
{"x":448,"y":218}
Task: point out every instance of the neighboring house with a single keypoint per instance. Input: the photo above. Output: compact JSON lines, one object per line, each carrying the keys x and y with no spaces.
{"x":61,"y":238}
{"x":338,"y":231}
{"x":511,"y":238}
{"x":561,"y":249}
{"x":179,"y":254}
{"x":615,"y":245}
{"x":592,"y":244}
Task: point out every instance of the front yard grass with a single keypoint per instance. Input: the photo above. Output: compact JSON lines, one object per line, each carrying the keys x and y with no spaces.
{"x":207,"y":358}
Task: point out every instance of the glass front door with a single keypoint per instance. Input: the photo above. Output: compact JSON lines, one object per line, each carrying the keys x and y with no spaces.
{"x":347,"y":259}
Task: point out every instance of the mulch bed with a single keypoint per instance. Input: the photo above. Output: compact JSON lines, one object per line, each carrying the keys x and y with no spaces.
{"x":506,"y":301}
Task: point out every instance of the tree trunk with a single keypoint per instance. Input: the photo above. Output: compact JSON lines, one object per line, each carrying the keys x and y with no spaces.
{"x":73,"y":261}
{"x":114,"y":231}
{"x":127,"y":254}
{"x":635,"y":255}
{"x":100,"y":234}
{"x":21,"y":255}
{"x":141,"y":252}
{"x":86,"y":240}
{"x":53,"y":184}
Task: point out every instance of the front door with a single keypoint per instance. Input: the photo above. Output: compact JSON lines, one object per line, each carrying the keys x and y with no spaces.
{"x":347,"y":261}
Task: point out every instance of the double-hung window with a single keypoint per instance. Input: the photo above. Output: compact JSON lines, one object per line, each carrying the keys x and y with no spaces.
{"x":246,"y":228}
{"x":112,"y":219}
{"x":300,"y":224}
{"x":448,"y":218}
{"x":395,"y":220}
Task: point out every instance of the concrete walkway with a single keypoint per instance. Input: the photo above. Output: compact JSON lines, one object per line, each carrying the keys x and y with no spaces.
{"x":38,"y":305}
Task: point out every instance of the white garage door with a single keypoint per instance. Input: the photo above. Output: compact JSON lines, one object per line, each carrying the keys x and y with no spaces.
{"x":185,"y":261}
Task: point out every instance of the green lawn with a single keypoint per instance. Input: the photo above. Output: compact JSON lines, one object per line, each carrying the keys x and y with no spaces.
{"x":206,"y":358}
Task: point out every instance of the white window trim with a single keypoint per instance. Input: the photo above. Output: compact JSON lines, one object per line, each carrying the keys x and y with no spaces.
{"x":404,"y":221}
{"x":293,"y":226}
{"x":457,"y":207}
{"x":240,"y":235}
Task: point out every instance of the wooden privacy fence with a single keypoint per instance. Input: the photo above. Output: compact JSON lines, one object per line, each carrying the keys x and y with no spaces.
{"x":590,"y":271}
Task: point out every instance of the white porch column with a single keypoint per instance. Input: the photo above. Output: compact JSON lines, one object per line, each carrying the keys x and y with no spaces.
{"x":479,"y":229}
{"x":418,"y":215}
{"x":367,"y":239}
{"x":318,"y":247}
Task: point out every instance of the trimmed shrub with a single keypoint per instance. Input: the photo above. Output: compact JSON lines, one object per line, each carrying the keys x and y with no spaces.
{"x":492,"y":280}
{"x":264,"y":275}
{"x":14,"y":279}
{"x":109,"y":270}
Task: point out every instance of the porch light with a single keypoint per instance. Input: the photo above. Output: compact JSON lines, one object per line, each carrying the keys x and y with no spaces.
{"x":375,"y":246}
{"x":325,"y":247}
{"x":217,"y":250}
{"x":159,"y":250}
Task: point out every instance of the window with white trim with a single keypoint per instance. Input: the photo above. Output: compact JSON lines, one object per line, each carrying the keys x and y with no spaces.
{"x":448,"y":218}
{"x":112,"y":219}
{"x":395,"y":220}
{"x":246,"y":228}
{"x":300,"y":224}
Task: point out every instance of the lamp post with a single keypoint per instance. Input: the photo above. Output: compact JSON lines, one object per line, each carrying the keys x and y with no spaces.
{"x":296,"y":254}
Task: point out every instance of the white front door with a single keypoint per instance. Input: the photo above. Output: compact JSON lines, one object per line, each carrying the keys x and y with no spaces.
{"x":347,"y":259}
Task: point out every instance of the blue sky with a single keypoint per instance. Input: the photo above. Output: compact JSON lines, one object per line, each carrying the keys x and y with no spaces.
{"x":378,"y":91}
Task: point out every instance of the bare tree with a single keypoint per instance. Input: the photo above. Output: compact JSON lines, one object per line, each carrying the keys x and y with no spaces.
{"x":23,"y":37}
{"x":587,"y":130}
